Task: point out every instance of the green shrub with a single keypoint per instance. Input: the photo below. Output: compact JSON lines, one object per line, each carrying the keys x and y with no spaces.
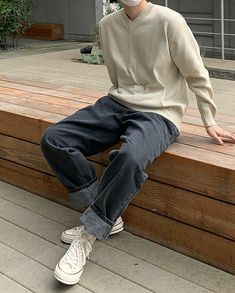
{"x":14,"y":19}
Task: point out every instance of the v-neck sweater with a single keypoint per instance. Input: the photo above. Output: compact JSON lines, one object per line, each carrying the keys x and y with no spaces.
{"x":150,"y":61}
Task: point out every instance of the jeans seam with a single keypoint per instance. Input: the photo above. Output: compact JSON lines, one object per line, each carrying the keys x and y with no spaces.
{"x":86,"y":185}
{"x":100,"y":215}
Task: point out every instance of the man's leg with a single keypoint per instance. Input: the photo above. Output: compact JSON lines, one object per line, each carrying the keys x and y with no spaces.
{"x":147,"y":136}
{"x":65,"y":146}
{"x":67,"y":143}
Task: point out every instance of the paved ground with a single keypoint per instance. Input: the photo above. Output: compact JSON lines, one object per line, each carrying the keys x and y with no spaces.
{"x":30,"y":226}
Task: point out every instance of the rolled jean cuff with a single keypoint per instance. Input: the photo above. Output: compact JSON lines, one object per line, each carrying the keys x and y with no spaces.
{"x":96,"y":223}
{"x":85,"y":195}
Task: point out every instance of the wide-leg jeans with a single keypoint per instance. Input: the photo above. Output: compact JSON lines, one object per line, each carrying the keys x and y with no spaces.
{"x":91,"y":130}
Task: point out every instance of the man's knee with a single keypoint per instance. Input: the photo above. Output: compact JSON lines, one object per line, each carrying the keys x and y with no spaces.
{"x":126,"y":156}
{"x":48,"y":138}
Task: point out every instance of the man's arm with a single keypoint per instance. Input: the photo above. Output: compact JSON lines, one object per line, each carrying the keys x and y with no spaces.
{"x":185,"y":53}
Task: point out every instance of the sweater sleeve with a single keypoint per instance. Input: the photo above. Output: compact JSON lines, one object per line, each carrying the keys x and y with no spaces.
{"x":185,"y":53}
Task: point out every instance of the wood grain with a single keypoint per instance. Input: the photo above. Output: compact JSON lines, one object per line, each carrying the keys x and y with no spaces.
{"x":204,"y":246}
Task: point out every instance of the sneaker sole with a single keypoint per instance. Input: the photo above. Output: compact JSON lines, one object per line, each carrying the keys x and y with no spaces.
{"x":69,"y":239}
{"x":67,"y":279}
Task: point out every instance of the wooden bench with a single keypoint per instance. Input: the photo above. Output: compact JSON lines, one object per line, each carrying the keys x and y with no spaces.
{"x":188,"y":202}
{"x":45,"y":31}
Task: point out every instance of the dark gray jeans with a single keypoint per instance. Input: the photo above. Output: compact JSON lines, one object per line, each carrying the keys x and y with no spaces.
{"x":91,"y":130}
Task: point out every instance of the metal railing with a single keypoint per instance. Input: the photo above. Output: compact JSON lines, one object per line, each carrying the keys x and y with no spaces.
{"x":222,"y":33}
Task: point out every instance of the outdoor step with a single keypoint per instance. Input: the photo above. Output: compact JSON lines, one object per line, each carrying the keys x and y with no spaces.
{"x":191,"y":186}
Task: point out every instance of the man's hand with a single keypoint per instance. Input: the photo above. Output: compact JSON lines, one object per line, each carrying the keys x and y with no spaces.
{"x":220,"y":135}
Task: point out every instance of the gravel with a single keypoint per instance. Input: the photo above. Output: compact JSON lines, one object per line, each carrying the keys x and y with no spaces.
{"x":221,"y":73}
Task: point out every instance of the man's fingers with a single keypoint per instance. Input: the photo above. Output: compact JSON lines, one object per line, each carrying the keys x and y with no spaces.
{"x":228,"y":137}
{"x":217,"y":138}
{"x":220,"y":135}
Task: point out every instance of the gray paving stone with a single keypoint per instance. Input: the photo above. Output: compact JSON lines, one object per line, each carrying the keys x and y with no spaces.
{"x":40,"y":279}
{"x":10,"y":259}
{"x":9,"y":286}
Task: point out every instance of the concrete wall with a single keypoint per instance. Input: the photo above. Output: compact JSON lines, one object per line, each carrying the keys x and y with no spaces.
{"x":78,"y":16}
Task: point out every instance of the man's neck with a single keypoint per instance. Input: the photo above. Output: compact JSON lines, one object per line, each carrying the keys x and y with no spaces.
{"x":133,"y":11}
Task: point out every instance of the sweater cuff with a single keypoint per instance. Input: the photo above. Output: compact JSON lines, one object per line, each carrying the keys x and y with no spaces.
{"x":208,"y":117}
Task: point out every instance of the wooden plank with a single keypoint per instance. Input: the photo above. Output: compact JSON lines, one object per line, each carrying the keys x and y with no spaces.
{"x":206,"y":143}
{"x":45,"y":185}
{"x":29,"y":91}
{"x":191,"y":208}
{"x":29,"y":154}
{"x":24,"y":153}
{"x":24,"y":123}
{"x":45,"y":31}
{"x":193,"y":169}
{"x":215,"y":174}
{"x":204,"y":246}
{"x":42,"y":106}
{"x":185,"y":206}
{"x":34,"y":181}
{"x":192,"y":116}
{"x":39,"y":86}
{"x":177,"y":149}
{"x":14,"y":92}
{"x":49,"y":100}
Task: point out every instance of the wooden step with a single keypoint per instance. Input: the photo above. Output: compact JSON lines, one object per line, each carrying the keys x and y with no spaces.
{"x":190,"y":191}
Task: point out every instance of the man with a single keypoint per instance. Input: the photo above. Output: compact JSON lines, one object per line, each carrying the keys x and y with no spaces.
{"x":151,"y":55}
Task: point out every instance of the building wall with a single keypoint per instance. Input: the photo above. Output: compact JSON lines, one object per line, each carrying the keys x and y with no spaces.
{"x":78,"y":16}
{"x":207,"y":9}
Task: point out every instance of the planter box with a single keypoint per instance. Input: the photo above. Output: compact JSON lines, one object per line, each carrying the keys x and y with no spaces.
{"x":45,"y":31}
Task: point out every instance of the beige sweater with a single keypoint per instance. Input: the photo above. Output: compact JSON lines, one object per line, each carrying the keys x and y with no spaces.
{"x":151,"y":60}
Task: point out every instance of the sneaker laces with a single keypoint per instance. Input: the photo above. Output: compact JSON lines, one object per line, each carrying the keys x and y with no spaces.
{"x":78,"y":251}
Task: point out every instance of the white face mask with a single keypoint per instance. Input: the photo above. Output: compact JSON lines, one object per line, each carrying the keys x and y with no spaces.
{"x":131,"y":2}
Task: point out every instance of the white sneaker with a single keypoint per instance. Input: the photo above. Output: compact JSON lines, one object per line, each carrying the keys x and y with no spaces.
{"x":69,"y":235}
{"x":70,"y":267}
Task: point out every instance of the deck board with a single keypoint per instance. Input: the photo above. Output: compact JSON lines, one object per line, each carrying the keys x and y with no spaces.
{"x":187,"y":276}
{"x":141,"y":275}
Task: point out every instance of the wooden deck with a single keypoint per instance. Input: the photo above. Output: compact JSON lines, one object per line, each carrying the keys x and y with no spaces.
{"x":187,"y":203}
{"x":30,"y":247}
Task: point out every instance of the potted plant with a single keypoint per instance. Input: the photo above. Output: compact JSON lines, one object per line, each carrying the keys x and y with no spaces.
{"x":93,"y":54}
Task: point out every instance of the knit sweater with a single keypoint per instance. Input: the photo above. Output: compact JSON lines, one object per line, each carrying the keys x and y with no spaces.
{"x":150,"y":61}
